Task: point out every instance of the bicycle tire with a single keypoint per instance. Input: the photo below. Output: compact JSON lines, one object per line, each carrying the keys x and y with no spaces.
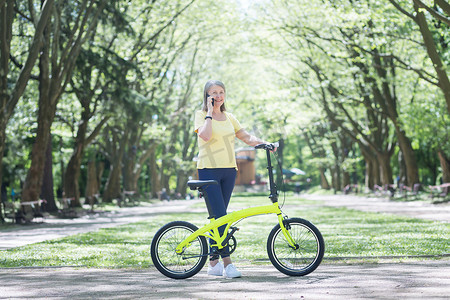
{"x":167,"y":261}
{"x":310,"y":247}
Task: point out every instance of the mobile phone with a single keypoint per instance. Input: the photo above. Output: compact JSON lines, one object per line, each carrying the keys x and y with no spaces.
{"x":207,"y":95}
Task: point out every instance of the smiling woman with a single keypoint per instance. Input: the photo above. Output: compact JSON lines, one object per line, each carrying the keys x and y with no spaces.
{"x":217,"y":129}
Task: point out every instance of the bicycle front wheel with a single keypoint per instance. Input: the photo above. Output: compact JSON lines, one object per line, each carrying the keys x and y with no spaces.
{"x":307,"y":253}
{"x":171,"y":264}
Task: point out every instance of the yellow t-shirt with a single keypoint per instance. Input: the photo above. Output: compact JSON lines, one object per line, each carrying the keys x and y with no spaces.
{"x":218,"y":152}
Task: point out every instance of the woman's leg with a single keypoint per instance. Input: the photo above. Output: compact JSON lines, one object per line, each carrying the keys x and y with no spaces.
{"x":215,"y":197}
{"x":227,"y":185}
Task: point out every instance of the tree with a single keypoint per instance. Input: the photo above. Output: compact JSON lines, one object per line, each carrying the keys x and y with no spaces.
{"x":57,"y":59}
{"x":434,"y":55}
{"x":90,"y":88}
{"x":430,"y":44}
{"x":10,"y":97}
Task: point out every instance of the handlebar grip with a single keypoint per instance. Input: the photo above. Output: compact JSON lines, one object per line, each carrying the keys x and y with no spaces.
{"x":270,"y":146}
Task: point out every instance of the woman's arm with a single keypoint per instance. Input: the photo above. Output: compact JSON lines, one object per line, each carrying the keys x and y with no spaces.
{"x":205,"y":131}
{"x":249,"y":139}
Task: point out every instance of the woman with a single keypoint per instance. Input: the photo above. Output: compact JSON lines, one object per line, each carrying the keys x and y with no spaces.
{"x":216,"y":129}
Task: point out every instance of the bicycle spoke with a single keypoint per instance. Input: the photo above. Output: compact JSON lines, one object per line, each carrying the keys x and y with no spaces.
{"x":301,"y":259}
{"x":172,"y":264}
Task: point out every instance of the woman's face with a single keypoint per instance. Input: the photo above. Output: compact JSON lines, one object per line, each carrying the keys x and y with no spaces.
{"x":218,"y":93}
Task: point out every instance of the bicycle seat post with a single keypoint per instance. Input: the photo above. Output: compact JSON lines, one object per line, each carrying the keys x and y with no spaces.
{"x":204,"y":194}
{"x":201,"y":185}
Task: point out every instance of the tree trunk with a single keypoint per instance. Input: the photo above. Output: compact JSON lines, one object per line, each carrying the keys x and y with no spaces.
{"x":138,"y":163}
{"x":412,"y":170}
{"x":372,"y":176}
{"x":72,"y":174}
{"x":402,"y":169}
{"x":323,"y":180}
{"x":91,"y":182}
{"x":444,"y":82}
{"x":46,"y":114}
{"x":2,"y":150}
{"x":445,"y":166}
{"x":113,"y":187}
{"x":71,"y":185}
{"x":100,"y":170}
{"x":155,"y":185}
{"x":47,"y":192}
{"x":336,"y":169}
{"x":129,"y":168}
{"x":345,"y":179}
{"x":10,"y":93}
{"x":384,"y":162}
{"x":368,"y":178}
{"x":182,"y":178}
{"x":388,"y":102}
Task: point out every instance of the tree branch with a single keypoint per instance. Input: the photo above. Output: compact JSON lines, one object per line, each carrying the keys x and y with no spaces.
{"x":32,"y":12}
{"x":397,"y":6}
{"x":20,"y":66}
{"x":444,"y":5}
{"x":433,"y":12}
{"x":159,"y":31}
{"x":35,"y":47}
{"x":96,"y":131}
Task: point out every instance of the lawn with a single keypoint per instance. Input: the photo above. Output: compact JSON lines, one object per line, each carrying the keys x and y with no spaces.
{"x":348,"y":234}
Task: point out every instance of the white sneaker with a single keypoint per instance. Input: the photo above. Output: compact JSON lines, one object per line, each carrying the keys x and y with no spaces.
{"x":231,"y":272}
{"x":217,"y":270}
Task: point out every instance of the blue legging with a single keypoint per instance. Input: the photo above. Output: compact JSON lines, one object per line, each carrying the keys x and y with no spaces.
{"x":219,"y":195}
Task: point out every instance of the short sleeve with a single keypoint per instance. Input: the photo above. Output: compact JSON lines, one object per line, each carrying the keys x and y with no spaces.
{"x":199,"y":119}
{"x":237,"y":126}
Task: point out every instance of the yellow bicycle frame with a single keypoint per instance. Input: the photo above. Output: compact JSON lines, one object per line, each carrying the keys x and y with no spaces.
{"x":211,"y":230}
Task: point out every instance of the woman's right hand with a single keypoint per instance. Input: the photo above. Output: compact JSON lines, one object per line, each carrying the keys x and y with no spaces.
{"x":209,"y":105}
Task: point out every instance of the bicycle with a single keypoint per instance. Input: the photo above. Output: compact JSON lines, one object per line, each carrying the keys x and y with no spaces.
{"x":180,"y":249}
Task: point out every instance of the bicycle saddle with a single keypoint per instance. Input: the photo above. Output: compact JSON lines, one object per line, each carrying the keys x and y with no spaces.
{"x":196,"y":184}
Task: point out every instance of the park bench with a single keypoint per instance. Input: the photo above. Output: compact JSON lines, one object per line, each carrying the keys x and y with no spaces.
{"x":10,"y":211}
{"x":32,"y":210}
{"x":407,"y":191}
{"x":67,"y":211}
{"x":23,"y":212}
{"x":93,"y":200}
{"x":349,"y":188}
{"x":385,"y":190}
{"x":128,"y":198}
{"x":439,"y":191}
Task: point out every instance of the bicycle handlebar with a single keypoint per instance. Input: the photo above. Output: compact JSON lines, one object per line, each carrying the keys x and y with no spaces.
{"x":270,"y":146}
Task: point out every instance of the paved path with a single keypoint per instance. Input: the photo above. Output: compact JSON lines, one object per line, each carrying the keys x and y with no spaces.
{"x":418,"y":280}
{"x":414,"y":209}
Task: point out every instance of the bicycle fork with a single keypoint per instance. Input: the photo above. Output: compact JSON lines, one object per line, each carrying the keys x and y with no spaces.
{"x":286,"y":233}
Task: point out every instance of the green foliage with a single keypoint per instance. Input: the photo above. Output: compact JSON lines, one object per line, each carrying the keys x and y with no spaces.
{"x":151,"y":60}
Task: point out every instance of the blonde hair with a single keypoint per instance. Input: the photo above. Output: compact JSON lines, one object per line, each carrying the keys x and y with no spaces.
{"x":209,"y":84}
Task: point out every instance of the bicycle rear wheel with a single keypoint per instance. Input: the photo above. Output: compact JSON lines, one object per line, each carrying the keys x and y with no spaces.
{"x":307,"y":254}
{"x":167,"y":261}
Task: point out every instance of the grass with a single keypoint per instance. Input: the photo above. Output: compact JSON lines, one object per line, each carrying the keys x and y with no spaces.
{"x":347,"y":233}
